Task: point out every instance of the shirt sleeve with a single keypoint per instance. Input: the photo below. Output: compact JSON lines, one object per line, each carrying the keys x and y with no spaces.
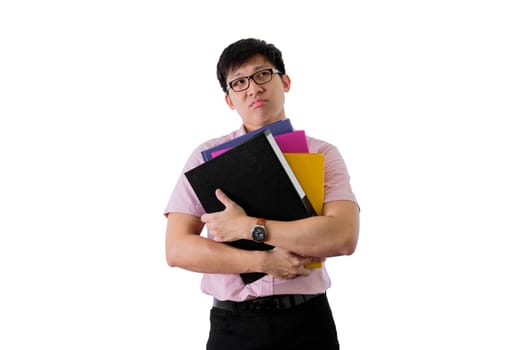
{"x":337,"y":184}
{"x":337,"y":181}
{"x":183,"y":199}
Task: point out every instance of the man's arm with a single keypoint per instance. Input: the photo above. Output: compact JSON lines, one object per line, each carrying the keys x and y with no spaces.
{"x":185,"y":248}
{"x":332,"y":234}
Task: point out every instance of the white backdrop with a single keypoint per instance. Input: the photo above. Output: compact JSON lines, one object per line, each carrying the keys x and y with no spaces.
{"x":102,"y":101}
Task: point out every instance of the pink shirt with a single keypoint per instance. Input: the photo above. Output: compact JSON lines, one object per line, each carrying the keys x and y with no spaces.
{"x":230,"y":286}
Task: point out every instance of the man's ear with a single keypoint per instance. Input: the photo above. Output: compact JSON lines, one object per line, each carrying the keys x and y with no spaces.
{"x":229,"y":103}
{"x":286,"y":82}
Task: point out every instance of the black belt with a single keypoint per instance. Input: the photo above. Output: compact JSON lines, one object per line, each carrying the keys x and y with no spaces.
{"x":264,"y":304}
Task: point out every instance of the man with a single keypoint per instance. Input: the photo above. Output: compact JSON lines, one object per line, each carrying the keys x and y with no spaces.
{"x":288,"y":308}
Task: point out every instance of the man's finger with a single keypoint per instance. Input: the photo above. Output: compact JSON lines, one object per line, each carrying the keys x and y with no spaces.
{"x":223,"y":198}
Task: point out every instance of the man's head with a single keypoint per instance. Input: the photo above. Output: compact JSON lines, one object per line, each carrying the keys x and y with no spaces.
{"x":242,"y":50}
{"x":252,"y":74}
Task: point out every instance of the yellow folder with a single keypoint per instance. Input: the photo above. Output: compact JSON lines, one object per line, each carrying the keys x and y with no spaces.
{"x":309,"y":170}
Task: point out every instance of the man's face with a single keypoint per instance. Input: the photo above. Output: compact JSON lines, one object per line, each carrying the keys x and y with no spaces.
{"x":258,"y":105}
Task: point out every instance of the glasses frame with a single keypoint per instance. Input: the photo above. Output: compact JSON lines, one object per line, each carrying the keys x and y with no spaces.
{"x":252,"y":77}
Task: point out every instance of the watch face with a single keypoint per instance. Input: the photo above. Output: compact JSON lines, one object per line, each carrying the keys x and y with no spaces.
{"x":259,"y":233}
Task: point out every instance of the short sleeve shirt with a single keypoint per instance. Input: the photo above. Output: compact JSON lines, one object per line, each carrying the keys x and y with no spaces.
{"x":230,"y":286}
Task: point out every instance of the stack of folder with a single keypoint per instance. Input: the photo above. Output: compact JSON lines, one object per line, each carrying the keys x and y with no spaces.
{"x":269,"y":172}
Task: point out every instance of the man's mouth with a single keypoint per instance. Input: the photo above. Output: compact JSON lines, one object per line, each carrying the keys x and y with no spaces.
{"x":257,"y":103}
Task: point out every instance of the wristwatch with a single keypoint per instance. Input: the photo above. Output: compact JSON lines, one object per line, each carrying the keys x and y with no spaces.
{"x":258,"y":231}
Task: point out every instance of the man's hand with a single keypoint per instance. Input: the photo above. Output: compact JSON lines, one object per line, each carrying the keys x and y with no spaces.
{"x":285,"y":264}
{"x":230,"y":224}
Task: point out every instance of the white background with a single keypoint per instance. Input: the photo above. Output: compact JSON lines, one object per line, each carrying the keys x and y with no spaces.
{"x":102,"y":101}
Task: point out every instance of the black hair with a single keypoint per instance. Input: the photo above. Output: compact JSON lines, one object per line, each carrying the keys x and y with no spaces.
{"x":237,"y":53}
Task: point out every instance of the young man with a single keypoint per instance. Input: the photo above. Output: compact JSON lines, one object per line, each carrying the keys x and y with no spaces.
{"x":288,"y":308}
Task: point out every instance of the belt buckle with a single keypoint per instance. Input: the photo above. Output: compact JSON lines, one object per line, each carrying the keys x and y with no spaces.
{"x":265,"y":304}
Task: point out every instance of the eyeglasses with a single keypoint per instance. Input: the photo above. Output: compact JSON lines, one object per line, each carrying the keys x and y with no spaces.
{"x":261,"y":77}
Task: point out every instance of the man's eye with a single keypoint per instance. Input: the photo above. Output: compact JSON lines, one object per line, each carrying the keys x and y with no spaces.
{"x":263,"y":75}
{"x":239,"y":82}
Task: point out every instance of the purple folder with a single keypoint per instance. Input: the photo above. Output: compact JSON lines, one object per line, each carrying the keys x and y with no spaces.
{"x":291,"y":142}
{"x":280,"y":127}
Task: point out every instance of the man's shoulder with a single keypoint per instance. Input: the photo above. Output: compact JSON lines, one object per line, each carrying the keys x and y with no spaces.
{"x":318,"y":146}
{"x":218,"y":140}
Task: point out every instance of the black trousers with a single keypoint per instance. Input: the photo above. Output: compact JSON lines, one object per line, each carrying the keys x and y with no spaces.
{"x":306,"y":326}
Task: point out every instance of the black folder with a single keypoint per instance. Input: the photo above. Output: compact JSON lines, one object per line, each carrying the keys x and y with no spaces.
{"x":256,"y":175}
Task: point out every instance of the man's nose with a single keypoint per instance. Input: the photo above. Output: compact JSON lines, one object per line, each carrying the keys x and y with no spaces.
{"x":253,"y":88}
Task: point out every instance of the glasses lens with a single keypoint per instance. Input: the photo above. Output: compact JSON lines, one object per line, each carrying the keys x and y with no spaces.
{"x":239,"y":84}
{"x":263,"y":76}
